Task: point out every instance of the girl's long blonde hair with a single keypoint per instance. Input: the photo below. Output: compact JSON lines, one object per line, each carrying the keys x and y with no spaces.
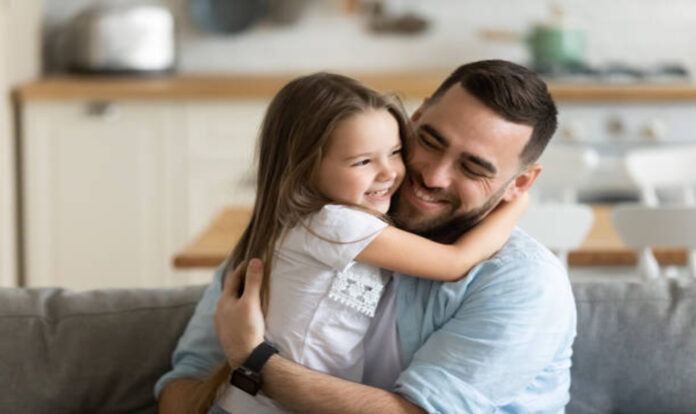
{"x":294,"y":135}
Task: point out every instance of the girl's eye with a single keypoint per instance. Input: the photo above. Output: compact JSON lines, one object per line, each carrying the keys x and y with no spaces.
{"x":361,"y":163}
{"x":396,"y":152}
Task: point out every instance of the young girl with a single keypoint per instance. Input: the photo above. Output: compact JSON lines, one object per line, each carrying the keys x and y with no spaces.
{"x":329,"y":162}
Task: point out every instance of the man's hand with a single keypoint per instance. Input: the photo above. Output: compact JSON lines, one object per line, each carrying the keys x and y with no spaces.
{"x":239,"y":321}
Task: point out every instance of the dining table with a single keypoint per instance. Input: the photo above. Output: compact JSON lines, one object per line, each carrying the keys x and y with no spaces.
{"x":602,"y":246}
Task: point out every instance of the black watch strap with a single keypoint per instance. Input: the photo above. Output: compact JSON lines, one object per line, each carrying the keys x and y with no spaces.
{"x":248,"y":376}
{"x":259,"y":356}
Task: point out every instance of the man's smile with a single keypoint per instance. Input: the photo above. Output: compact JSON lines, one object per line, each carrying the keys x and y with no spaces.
{"x":422,"y":197}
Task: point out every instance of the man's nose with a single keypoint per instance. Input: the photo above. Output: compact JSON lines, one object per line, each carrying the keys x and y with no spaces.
{"x":437,"y":174}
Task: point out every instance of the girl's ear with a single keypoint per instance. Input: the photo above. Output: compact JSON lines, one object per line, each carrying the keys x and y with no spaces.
{"x":522,"y":182}
{"x":419,"y":112}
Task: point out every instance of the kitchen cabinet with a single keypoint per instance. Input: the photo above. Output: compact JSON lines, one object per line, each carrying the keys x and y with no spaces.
{"x":113,"y":189}
{"x":19,"y":62}
{"x":99,"y":210}
{"x":221,"y":142}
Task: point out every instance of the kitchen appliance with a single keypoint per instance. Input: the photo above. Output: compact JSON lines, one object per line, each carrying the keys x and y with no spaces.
{"x":122,"y":37}
{"x":225,"y":16}
{"x":557,"y":43}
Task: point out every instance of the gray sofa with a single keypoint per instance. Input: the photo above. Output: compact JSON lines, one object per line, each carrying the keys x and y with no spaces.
{"x":102,"y":351}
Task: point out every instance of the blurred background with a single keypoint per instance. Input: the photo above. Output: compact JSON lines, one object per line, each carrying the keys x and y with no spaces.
{"x":303,"y":35}
{"x":127,"y":127}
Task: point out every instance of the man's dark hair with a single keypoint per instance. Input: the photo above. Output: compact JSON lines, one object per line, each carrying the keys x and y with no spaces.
{"x":512,"y":91}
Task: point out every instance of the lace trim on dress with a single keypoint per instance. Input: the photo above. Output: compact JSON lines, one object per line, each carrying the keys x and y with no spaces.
{"x":358,"y":287}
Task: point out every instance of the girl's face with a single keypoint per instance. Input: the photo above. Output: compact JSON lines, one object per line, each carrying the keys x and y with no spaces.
{"x":362,"y":164}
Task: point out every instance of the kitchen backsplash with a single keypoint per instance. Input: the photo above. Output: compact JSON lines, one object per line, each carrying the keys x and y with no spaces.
{"x":635,"y":32}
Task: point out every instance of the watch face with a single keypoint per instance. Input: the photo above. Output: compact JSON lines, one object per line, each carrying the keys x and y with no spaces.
{"x":246,"y":380}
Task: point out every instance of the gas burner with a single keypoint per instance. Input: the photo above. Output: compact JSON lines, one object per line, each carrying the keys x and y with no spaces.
{"x":566,"y":71}
{"x":615,"y":73}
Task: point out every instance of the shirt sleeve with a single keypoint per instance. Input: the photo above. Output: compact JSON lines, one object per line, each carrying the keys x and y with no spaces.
{"x":336,"y":235}
{"x":198,"y":351}
{"x":510,"y":326}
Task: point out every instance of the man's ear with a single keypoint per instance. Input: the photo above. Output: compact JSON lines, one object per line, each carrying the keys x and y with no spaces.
{"x":522,"y":182}
{"x":419,"y":112}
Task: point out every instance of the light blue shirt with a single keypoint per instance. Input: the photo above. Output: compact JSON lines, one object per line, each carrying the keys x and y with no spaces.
{"x":497,"y":341}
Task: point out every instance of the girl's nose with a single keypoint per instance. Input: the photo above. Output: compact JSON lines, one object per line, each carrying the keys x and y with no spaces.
{"x":387,"y":172}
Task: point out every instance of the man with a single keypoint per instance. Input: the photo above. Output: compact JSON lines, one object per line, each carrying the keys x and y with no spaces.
{"x":498,"y":340}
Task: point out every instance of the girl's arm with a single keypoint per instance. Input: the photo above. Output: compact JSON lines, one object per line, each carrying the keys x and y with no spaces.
{"x":405,"y":252}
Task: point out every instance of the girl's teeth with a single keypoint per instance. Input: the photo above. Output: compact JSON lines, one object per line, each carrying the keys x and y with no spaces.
{"x":378,"y":193}
{"x":423,"y":196}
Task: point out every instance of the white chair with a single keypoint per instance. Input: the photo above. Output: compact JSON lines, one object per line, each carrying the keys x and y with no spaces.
{"x":643,"y":227}
{"x":565,"y":170}
{"x":559,"y":226}
{"x":667,"y":167}
{"x":655,"y":169}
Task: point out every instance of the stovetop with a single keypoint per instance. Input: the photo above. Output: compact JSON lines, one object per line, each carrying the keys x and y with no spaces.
{"x":616,"y":73}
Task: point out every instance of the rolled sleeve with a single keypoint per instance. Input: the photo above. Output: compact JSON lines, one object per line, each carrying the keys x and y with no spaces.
{"x":514,"y":323}
{"x":198,"y":351}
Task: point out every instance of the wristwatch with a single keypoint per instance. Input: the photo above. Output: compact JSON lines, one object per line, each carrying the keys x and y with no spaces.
{"x":248,"y":376}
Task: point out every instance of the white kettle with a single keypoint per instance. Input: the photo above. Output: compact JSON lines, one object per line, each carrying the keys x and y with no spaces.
{"x":122,"y":37}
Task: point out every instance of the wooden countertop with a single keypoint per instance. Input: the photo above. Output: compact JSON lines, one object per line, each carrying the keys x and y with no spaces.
{"x":408,"y":85}
{"x":602,"y":247}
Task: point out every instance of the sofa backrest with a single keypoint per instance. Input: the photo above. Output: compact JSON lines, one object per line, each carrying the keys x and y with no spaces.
{"x":636,"y":348}
{"x":102,"y":351}
{"x":91,"y":352}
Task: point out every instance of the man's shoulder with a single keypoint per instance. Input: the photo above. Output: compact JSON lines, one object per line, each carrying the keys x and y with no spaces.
{"x":523,"y":269}
{"x":525,"y":253}
{"x":523,"y":247}
{"x":523,"y":266}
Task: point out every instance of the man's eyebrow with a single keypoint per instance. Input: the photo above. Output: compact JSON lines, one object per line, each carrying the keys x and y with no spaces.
{"x":487,"y":165}
{"x":435,"y":134}
{"x":480,"y":161}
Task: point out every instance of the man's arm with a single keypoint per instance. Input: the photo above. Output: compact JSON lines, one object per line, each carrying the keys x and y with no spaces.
{"x":197,"y":353}
{"x":176,"y":396}
{"x":302,"y":390}
{"x":240,"y":327}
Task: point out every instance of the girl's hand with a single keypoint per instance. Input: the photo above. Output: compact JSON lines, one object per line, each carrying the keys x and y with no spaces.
{"x":239,"y":321}
{"x":516,"y":207}
{"x":493,"y":231}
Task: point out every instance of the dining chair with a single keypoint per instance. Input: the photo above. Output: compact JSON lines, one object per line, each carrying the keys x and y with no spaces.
{"x":561,"y":227}
{"x":565,"y":169}
{"x":667,"y":169}
{"x":663,"y":168}
{"x":643,"y":227}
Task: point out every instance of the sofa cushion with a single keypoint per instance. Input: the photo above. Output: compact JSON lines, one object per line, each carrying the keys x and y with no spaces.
{"x":89,"y":352}
{"x":636,"y":347}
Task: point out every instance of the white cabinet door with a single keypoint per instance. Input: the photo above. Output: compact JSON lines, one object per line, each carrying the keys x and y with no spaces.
{"x":102,"y":196}
{"x":19,"y":61}
{"x":221,"y":142}
{"x":8,"y":267}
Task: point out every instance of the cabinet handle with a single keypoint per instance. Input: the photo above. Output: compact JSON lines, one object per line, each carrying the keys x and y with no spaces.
{"x":104,"y":110}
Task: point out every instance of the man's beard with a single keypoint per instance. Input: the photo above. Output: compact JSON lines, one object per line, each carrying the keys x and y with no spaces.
{"x":446,"y":228}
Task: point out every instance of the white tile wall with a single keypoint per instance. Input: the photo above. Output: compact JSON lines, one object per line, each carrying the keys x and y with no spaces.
{"x":638,"y":32}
